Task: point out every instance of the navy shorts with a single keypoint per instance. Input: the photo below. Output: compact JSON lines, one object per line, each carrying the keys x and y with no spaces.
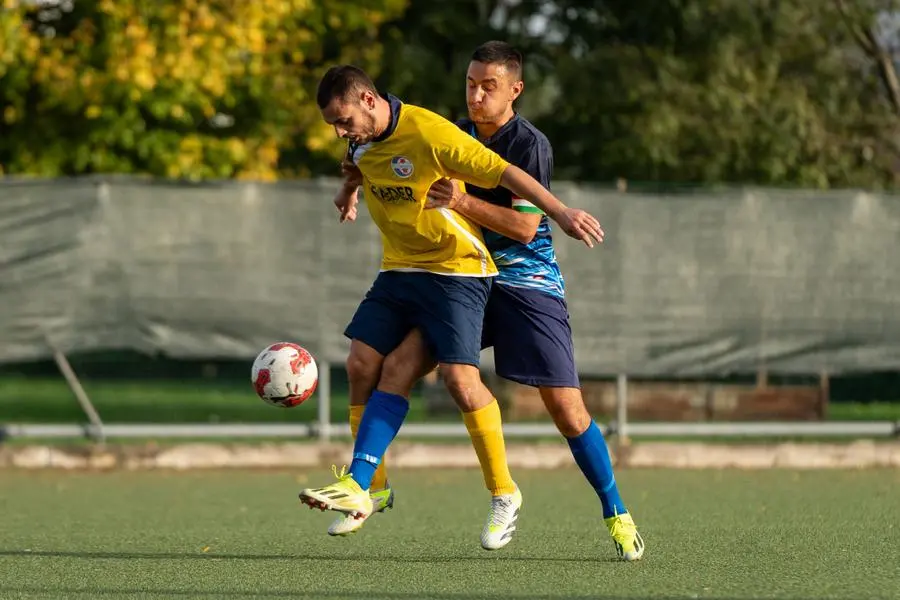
{"x":448,"y":310}
{"x":531,"y":336}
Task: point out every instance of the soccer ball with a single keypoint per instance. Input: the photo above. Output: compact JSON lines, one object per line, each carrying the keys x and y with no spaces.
{"x":284,"y":374}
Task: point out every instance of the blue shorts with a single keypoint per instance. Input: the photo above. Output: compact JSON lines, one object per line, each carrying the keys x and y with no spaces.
{"x":531,"y":336}
{"x":448,"y":310}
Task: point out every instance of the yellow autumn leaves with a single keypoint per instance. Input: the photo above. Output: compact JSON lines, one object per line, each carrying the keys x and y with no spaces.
{"x":193,"y":89}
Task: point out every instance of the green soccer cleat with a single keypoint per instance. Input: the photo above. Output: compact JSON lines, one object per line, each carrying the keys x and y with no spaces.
{"x":382,"y":499}
{"x":629,"y":543}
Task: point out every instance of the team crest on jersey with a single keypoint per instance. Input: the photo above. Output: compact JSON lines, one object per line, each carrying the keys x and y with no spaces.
{"x":402,"y":166}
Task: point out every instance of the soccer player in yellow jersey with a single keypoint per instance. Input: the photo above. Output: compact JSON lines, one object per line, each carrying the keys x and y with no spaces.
{"x":436,"y":276}
{"x":526,"y":317}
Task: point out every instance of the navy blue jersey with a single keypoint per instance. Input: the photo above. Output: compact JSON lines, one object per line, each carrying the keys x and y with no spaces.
{"x":533,"y":265}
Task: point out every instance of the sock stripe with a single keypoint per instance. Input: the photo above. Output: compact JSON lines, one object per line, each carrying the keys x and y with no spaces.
{"x":381,"y":419}
{"x":366,"y":457}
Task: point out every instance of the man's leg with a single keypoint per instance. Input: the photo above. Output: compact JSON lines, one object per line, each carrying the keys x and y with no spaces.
{"x":533,"y":346}
{"x":363,"y":370}
{"x":589,"y":450}
{"x":402,"y":368}
{"x":586,"y":441}
{"x":399,"y":372}
{"x":481,"y":414}
{"x":451,"y":319}
{"x":406,"y":365}
{"x":379,"y":325}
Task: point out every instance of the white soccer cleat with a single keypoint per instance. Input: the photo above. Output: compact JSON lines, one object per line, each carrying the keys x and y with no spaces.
{"x":501,"y":522}
{"x":347,"y":524}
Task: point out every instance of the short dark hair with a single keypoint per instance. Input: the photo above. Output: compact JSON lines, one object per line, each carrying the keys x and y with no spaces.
{"x":499,"y":53}
{"x":340,"y":81}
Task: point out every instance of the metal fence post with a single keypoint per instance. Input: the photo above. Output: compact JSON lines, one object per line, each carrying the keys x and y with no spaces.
{"x":95,"y":430}
{"x":622,"y":408}
{"x":324,"y":415}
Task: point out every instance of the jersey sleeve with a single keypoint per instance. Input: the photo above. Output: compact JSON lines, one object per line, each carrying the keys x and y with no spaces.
{"x":535,"y":157}
{"x":461,"y":155}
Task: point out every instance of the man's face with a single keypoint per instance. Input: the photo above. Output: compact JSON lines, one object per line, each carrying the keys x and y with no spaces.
{"x":490,"y":90}
{"x":353,"y":118}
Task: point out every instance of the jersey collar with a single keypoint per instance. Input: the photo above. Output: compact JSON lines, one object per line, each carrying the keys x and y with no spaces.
{"x":396,"y":105}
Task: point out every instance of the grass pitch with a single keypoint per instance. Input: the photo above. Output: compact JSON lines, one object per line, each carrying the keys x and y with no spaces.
{"x":239,"y":534}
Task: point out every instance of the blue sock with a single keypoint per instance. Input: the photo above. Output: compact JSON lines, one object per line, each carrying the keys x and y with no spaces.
{"x":380,"y":422}
{"x":592,"y":456}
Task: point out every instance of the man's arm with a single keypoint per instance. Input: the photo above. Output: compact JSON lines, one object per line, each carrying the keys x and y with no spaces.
{"x":519,"y":226}
{"x":520,"y":222}
{"x":525,"y":186}
{"x":467,"y":159}
{"x":574,"y":221}
{"x":346,"y":199}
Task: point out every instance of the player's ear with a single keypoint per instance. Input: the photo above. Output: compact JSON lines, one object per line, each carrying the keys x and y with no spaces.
{"x":368,"y":99}
{"x":516,"y":89}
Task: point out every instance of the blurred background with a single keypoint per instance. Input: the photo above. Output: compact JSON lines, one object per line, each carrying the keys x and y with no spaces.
{"x":165,"y":206}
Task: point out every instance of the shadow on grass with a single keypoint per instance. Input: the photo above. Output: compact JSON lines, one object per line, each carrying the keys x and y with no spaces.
{"x":288,"y":557}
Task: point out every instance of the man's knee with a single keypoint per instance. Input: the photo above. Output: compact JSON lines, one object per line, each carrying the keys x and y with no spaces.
{"x":364,"y":367}
{"x":398,"y":374}
{"x":403,"y":367}
{"x":566,"y":407}
{"x":464,"y":384}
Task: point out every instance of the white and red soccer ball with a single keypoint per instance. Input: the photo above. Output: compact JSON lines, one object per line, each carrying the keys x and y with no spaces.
{"x":284,"y":375}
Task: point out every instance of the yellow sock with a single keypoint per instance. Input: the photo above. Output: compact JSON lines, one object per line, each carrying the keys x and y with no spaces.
{"x":486,"y":430}
{"x":379,"y":480}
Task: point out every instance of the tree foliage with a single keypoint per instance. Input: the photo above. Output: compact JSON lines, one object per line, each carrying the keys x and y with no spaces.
{"x":775,"y":92}
{"x":771,"y":92}
{"x":194,"y":89}
{"x":427,"y":51}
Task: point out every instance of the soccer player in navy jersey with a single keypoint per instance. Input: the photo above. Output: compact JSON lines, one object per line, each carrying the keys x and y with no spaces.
{"x":526,"y":318}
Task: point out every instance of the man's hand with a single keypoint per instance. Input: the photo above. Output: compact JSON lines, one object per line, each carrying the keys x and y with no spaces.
{"x":445,"y":193}
{"x":580,"y":225}
{"x":346,"y":201}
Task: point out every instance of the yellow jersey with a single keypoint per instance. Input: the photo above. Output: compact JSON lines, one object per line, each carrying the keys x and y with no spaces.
{"x":398,"y":167}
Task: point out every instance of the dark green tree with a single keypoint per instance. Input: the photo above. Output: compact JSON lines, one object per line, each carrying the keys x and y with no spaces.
{"x":774,"y":92}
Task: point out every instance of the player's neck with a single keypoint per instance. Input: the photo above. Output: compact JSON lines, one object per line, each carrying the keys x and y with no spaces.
{"x":382,"y":116}
{"x":486,"y":130}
